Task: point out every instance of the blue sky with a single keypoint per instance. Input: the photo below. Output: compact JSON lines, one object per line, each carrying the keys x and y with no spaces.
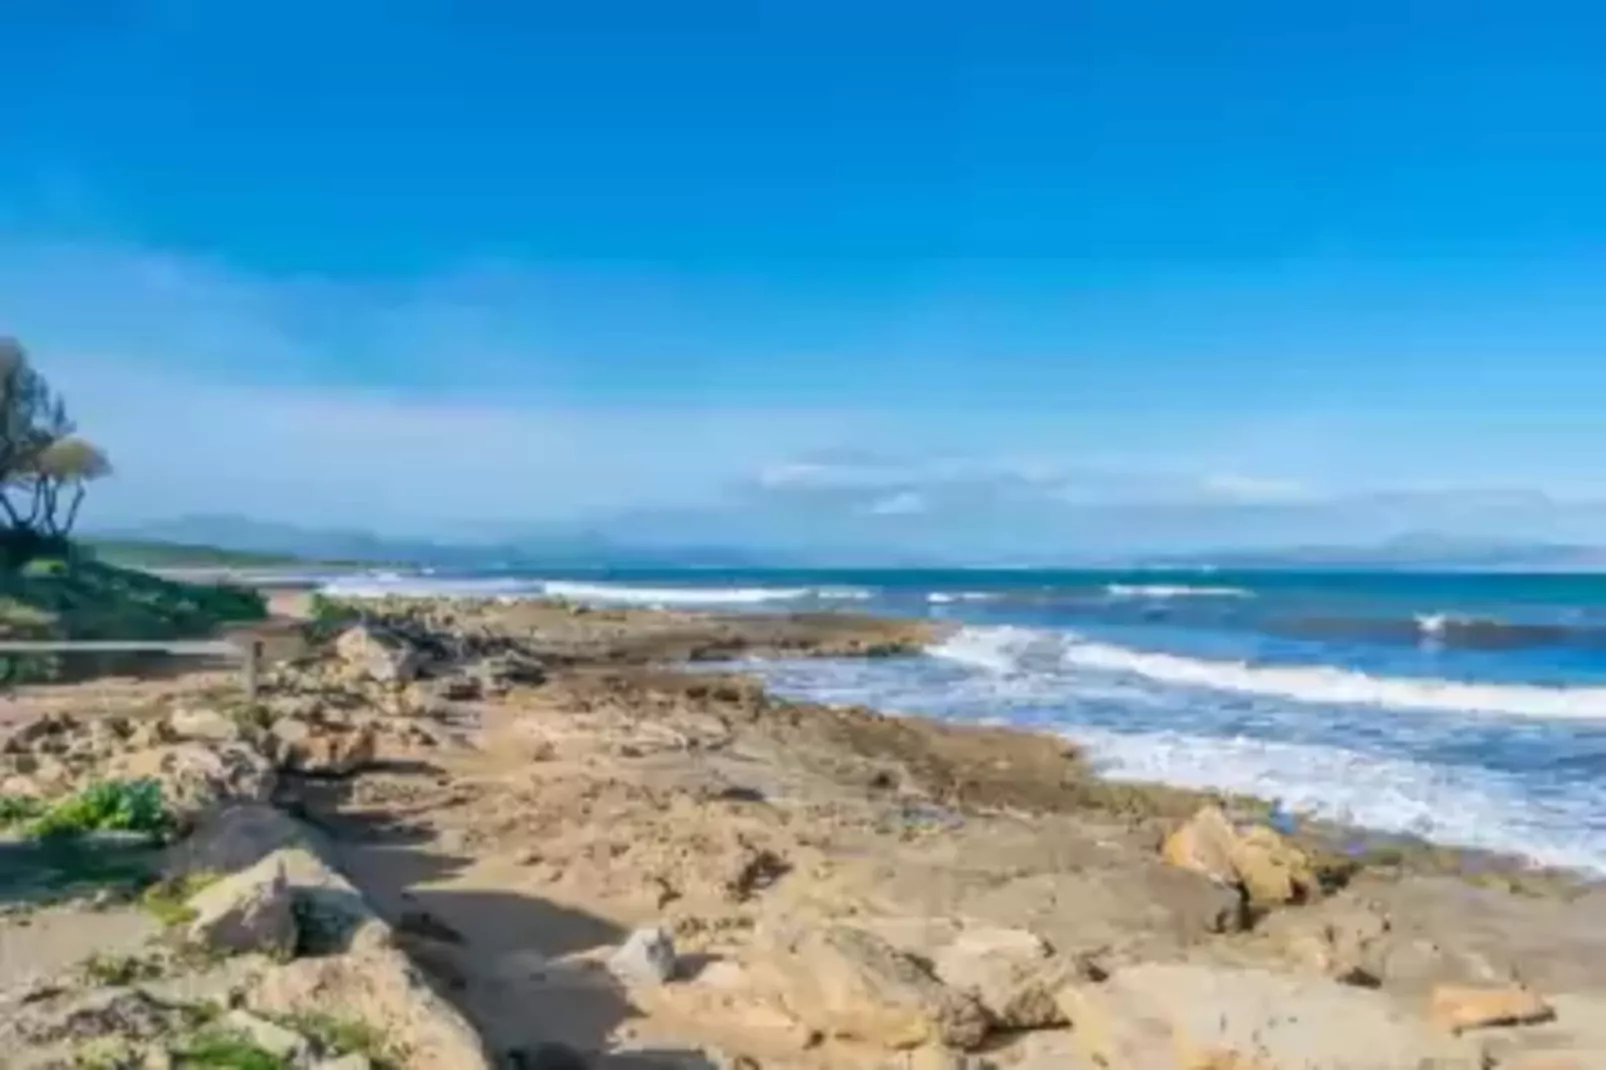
{"x":1094,"y":274}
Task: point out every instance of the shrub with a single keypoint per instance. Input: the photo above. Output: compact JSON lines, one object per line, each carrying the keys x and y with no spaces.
{"x":109,"y":806}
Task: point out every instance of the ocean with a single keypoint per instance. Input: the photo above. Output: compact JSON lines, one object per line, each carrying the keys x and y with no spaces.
{"x":1468,"y":709}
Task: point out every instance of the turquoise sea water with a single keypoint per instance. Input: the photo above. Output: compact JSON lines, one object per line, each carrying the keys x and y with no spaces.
{"x":1469,"y":708}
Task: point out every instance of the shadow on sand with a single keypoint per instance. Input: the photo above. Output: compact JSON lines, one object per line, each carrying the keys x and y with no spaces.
{"x":498,"y":955}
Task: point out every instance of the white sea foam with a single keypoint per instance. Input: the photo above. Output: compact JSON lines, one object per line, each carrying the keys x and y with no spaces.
{"x":1015,"y":650}
{"x":396,"y":584}
{"x":672,"y":596}
{"x":1168,"y":590}
{"x":943,"y":597}
{"x":1469,"y":807}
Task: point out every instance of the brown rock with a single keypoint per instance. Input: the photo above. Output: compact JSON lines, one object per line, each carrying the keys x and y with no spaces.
{"x":1462,"y":1007}
{"x":850,"y":983}
{"x":329,"y":750}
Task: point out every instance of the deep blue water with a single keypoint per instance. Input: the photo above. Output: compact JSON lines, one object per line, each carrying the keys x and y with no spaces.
{"x":1466,"y":707}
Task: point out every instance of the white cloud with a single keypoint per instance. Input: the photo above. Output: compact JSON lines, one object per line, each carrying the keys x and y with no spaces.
{"x":904,"y":503}
{"x":1255,"y":490}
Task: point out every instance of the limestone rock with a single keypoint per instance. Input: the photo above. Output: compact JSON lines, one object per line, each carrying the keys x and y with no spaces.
{"x":376,"y":984}
{"x":198,"y":777}
{"x":510,"y":669}
{"x":848,"y":982}
{"x":647,"y":957}
{"x":1151,"y":1015}
{"x":1461,"y":1007}
{"x":202,"y":724}
{"x":1011,"y":972}
{"x":1269,"y":869}
{"x":378,"y":655}
{"x":249,"y":911}
{"x":236,"y":838}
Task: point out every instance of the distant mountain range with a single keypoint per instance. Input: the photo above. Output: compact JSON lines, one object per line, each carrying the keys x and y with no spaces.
{"x":579,"y":548}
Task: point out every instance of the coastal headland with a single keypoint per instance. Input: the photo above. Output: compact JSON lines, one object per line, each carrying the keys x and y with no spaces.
{"x":457,"y":833}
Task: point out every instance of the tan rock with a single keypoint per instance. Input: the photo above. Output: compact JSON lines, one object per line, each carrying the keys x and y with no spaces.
{"x":1011,"y":972}
{"x":202,"y":724}
{"x":196,"y":778}
{"x":850,"y":983}
{"x":1266,"y":866}
{"x":1204,"y":845}
{"x":1157,"y":1015}
{"x":378,"y":655}
{"x":378,"y":986}
{"x":1462,"y":1007}
{"x":249,"y":911}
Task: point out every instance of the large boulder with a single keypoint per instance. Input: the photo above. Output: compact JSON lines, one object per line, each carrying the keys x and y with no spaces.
{"x":376,"y":654}
{"x":1270,"y":870}
{"x":848,"y":982}
{"x":249,"y":911}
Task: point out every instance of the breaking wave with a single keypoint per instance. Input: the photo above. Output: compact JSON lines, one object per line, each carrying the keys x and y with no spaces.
{"x":1009,"y":650}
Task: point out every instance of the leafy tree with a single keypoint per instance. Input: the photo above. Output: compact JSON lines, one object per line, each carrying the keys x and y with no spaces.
{"x":45,"y":469}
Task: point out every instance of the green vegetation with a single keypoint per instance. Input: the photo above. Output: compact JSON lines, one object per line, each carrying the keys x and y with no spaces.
{"x":17,"y":809}
{"x":168,"y":901}
{"x":341,"y":1036}
{"x":140,"y":553}
{"x":222,"y":1049}
{"x":109,"y":806}
{"x":53,"y":588}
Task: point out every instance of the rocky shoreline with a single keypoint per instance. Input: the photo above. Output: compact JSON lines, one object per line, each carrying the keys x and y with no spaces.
{"x":456,"y":834}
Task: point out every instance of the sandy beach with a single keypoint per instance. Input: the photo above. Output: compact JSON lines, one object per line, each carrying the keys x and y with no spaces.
{"x":571,"y":842}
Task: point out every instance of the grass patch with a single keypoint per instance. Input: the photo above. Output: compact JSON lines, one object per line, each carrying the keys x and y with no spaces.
{"x":168,"y":901}
{"x":109,"y":806}
{"x":19,"y":809}
{"x":119,"y":970}
{"x":221,"y":1049}
{"x":334,"y":1035}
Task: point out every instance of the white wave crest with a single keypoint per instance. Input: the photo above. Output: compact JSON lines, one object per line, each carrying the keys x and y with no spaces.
{"x":667,"y":596}
{"x":395,"y":584}
{"x":943,"y":597}
{"x":1165,"y":590}
{"x":1021,"y":650}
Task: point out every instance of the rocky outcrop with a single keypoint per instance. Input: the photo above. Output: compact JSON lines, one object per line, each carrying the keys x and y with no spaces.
{"x":1154,"y":1015}
{"x":197,"y":778}
{"x":1270,"y":870}
{"x":1458,"y":1008}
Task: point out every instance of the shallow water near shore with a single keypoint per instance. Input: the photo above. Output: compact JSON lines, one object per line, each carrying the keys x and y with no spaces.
{"x":1466,"y":709}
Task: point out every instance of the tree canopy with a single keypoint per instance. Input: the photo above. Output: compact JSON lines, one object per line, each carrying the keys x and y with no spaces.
{"x":45,"y":466}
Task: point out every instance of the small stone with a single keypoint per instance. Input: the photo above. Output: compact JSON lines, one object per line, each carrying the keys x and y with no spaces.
{"x":1459,"y":1008}
{"x":647,"y":957}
